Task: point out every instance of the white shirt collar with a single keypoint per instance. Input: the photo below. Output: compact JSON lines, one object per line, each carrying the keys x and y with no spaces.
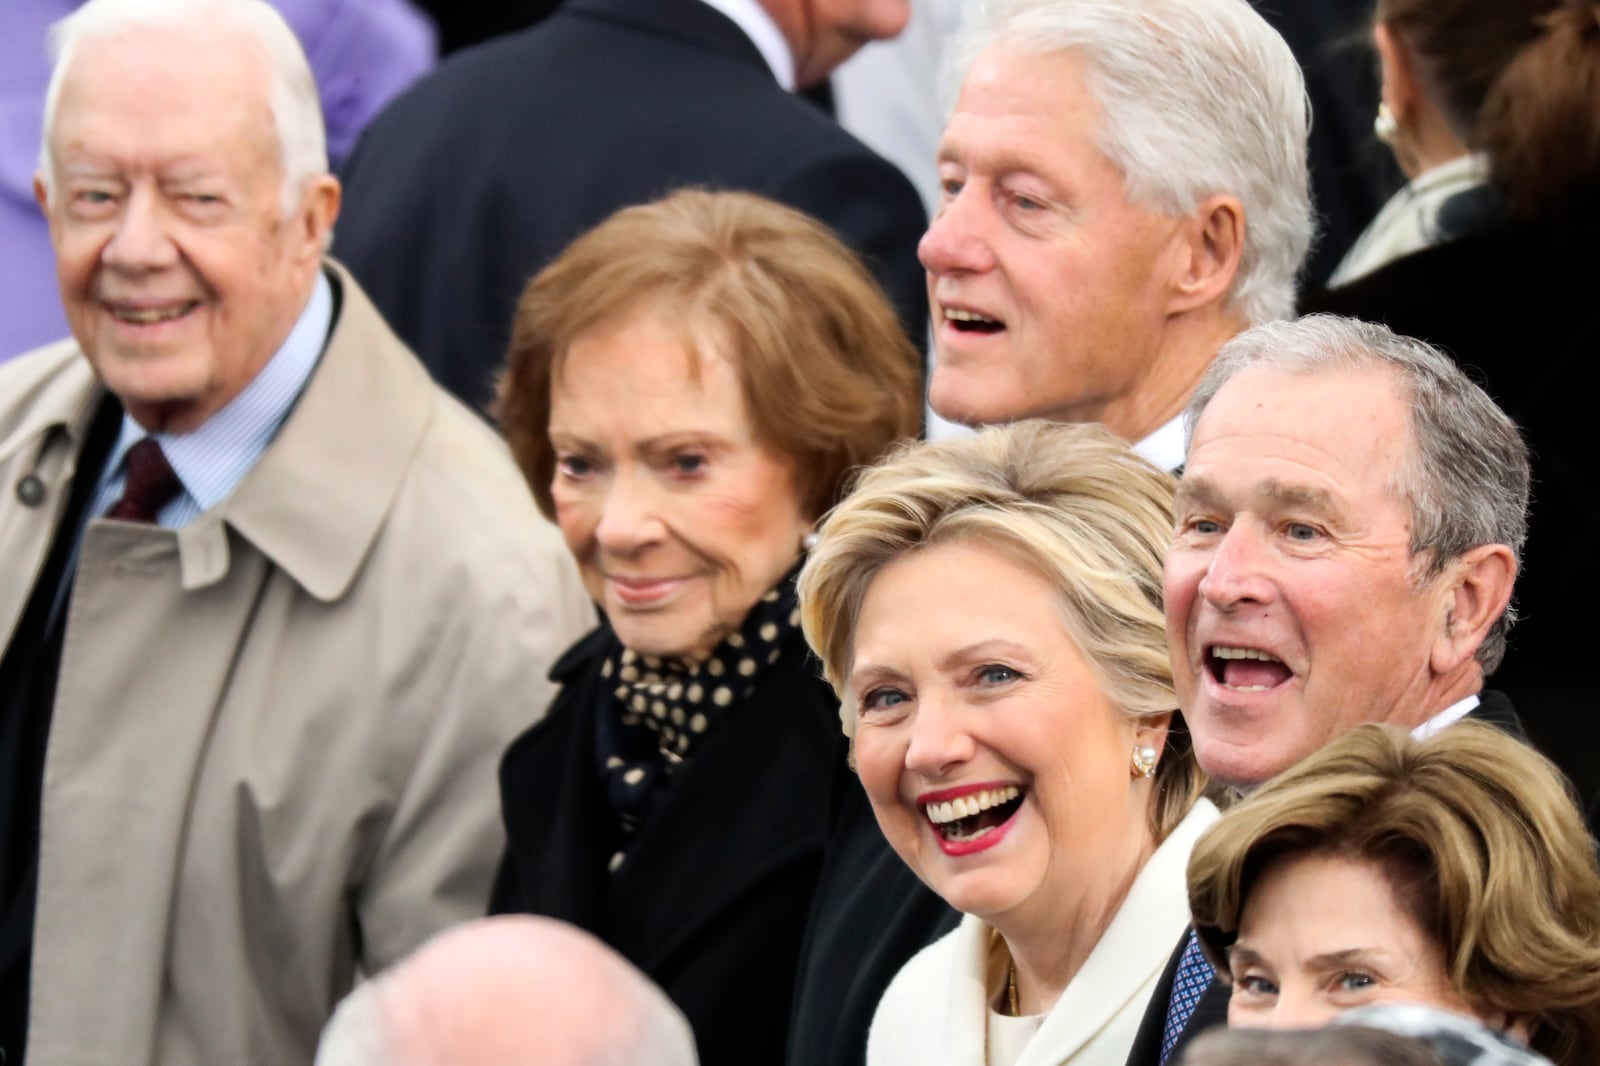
{"x":1164,"y":447}
{"x":1449,"y":716}
{"x":757,"y":25}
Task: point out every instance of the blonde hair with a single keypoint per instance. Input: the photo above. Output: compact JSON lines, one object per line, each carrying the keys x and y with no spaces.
{"x":828,"y":376}
{"x":1071,"y":502}
{"x":1483,"y":843}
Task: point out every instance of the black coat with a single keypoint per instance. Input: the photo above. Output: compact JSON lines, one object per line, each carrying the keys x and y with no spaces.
{"x":711,"y":902}
{"x":1212,"y":1010}
{"x":484,"y":171}
{"x":871,"y":914}
{"x":1518,"y":312}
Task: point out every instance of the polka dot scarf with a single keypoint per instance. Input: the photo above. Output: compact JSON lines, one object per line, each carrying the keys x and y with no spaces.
{"x":660,"y":710}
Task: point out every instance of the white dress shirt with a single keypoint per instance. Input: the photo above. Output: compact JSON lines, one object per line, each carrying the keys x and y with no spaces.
{"x":1449,"y":716}
{"x":757,"y":25}
{"x":1164,"y":447}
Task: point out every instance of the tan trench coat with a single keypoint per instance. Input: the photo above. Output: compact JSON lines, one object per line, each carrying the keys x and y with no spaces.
{"x":272,"y":758}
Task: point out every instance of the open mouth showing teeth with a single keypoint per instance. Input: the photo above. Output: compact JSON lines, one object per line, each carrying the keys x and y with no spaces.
{"x":968,"y":817}
{"x":972,"y":322}
{"x":1246,"y":669}
{"x":150,"y":316}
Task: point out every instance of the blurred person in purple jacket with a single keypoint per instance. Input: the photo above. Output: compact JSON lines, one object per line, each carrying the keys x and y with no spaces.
{"x":362,"y":52}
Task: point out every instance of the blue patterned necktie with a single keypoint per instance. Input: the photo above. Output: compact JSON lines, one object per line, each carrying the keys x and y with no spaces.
{"x":1188,"y":985}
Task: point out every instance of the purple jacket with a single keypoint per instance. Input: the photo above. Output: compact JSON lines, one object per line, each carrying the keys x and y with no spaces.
{"x":363,"y":54}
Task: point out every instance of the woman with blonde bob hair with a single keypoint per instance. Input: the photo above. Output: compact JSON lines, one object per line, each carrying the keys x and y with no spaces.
{"x":687,"y":388}
{"x":989,"y":611}
{"x":1453,"y":871}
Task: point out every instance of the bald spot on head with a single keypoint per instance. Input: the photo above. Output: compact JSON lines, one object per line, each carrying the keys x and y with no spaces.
{"x":526,"y":989}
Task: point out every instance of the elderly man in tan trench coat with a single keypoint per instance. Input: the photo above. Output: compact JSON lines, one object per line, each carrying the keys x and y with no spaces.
{"x":271,"y":602}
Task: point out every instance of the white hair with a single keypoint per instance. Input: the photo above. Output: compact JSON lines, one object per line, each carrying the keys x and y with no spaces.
{"x":292,"y":91}
{"x":1198,"y":98}
{"x":514,"y":988}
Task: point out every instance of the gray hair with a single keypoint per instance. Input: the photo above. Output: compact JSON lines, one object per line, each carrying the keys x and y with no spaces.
{"x":1198,"y":98}
{"x":292,"y":92}
{"x":1467,"y":476}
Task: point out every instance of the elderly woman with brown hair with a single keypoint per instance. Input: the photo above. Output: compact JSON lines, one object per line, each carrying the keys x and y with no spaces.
{"x":989,"y":611}
{"x":1453,"y":871}
{"x":687,"y":387}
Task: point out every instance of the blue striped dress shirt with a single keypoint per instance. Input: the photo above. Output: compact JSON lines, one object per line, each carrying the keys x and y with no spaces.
{"x":212,"y":459}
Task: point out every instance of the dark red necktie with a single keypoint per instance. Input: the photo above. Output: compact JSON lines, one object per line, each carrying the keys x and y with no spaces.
{"x":150,"y":484}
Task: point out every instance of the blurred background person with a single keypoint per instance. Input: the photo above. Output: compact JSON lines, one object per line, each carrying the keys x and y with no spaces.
{"x":506,"y":991}
{"x":362,"y":54}
{"x":1491,"y":107}
{"x":1454,"y":871}
{"x":1393,"y":1034}
{"x":989,"y":611}
{"x":1333,"y":1046}
{"x":468,"y":185}
{"x":687,"y":387}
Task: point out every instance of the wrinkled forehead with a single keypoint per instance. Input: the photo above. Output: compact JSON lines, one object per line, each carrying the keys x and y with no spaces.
{"x":1342,"y":428}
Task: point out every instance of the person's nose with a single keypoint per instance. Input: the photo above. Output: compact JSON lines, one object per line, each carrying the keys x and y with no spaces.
{"x":940,"y":739}
{"x":630,"y":515}
{"x":1236,"y":573}
{"x":957,"y":241}
{"x":141,"y":241}
{"x":1299,"y":1008}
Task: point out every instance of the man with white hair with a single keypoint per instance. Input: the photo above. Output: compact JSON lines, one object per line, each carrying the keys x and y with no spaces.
{"x":272,"y":602}
{"x":504,"y":991}
{"x":1124,"y":189}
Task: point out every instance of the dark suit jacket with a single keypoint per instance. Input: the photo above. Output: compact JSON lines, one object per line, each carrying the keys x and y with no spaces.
{"x":1517,"y":310}
{"x":712,"y":900}
{"x":480,"y":175}
{"x":1212,"y":1010}
{"x":871,"y":914}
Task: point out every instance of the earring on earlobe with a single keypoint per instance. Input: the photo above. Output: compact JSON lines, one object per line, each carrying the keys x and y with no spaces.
{"x":1144,"y":761}
{"x":809,"y":541}
{"x":1385,"y":127}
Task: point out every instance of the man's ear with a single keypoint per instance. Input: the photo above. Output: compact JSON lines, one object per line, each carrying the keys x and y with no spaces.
{"x":313,"y":218}
{"x":41,"y":192}
{"x":1213,"y":243}
{"x":1475,"y":590}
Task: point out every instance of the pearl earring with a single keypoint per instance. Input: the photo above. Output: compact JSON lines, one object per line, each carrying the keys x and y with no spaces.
{"x":808,"y":542}
{"x":1385,"y":127}
{"x":1144,"y":761}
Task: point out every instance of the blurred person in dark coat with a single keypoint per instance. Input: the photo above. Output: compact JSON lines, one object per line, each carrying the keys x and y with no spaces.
{"x":484,"y":172}
{"x":1496,"y":102}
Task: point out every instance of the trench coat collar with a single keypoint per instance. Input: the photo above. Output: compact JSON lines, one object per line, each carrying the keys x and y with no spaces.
{"x":65,"y":398}
{"x":316,"y":501}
